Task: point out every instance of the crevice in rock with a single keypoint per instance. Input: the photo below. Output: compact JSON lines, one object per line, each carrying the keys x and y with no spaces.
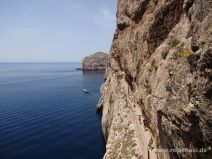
{"x":122,"y":26}
{"x":164,"y":21}
{"x":140,"y":12}
{"x":208,"y":94}
{"x":129,"y":79}
{"x":188,"y":5}
{"x":164,"y":140}
{"x":207,"y":60}
{"x":193,"y":61}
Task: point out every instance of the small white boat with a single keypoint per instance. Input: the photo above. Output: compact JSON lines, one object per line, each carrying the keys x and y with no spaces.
{"x":85,"y":90}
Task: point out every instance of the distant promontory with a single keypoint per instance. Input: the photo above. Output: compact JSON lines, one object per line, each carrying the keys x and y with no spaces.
{"x":96,"y":61}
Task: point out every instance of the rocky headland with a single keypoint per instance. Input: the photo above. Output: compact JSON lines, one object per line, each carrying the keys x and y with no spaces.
{"x":96,"y":61}
{"x":158,"y":90}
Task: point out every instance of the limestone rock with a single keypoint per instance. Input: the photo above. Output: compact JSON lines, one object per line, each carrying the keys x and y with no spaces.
{"x":97,"y":61}
{"x":159,"y":81}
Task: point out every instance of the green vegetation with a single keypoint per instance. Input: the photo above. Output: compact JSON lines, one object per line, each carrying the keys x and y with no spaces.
{"x":184,"y":52}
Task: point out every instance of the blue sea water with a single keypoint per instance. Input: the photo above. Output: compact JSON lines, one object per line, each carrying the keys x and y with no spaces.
{"x":45,"y":115}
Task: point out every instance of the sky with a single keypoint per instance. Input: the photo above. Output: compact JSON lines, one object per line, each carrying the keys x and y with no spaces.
{"x":55,"y":30}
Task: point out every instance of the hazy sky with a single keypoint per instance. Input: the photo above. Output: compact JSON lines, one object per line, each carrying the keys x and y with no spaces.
{"x":55,"y":30}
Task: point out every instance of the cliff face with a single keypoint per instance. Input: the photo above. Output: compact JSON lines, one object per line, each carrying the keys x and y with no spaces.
{"x":96,"y":61}
{"x":158,"y":92}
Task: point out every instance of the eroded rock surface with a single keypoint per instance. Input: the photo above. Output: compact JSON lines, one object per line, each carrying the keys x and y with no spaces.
{"x":97,"y":61}
{"x":158,"y":92}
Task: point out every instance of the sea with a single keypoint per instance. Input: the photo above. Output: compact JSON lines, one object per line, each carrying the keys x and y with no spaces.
{"x":44,"y":114}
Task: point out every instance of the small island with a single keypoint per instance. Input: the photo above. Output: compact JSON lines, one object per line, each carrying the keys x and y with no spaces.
{"x":94,"y":62}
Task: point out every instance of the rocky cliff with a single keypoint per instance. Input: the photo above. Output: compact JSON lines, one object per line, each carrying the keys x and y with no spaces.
{"x":157,"y":98}
{"x":96,"y":61}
